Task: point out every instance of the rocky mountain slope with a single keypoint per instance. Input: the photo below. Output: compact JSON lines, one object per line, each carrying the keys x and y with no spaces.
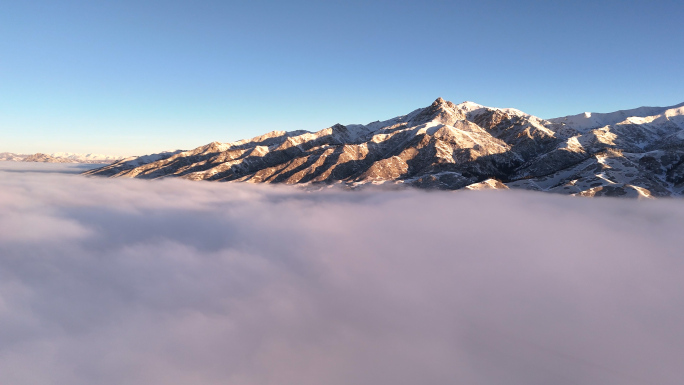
{"x":637,"y":153}
{"x":59,"y":157}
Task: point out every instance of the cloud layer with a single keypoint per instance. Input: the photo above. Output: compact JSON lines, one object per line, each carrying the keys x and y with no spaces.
{"x":173,"y":282}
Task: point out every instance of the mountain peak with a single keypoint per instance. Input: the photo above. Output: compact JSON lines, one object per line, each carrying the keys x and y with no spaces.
{"x":440,"y":110}
{"x":442,"y":104}
{"x":439,"y":101}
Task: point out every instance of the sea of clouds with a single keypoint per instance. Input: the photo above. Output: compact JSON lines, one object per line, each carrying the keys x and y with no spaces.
{"x":119,"y":281}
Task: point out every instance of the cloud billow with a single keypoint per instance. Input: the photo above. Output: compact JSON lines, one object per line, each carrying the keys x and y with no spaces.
{"x":138,"y":282}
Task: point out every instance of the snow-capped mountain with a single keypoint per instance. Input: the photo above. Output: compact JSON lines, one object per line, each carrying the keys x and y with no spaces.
{"x":86,"y":158}
{"x":637,"y":152}
{"x":11,"y":157}
{"x":59,"y":157}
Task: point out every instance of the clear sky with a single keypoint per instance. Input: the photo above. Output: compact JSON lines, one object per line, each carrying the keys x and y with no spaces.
{"x":134,"y":77}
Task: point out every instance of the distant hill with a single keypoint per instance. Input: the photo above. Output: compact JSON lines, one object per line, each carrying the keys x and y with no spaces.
{"x":59,"y":157}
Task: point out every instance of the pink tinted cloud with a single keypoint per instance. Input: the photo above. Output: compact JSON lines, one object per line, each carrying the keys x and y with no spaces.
{"x":182,"y":283}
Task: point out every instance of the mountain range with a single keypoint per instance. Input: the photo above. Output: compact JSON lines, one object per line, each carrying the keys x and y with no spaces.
{"x":59,"y":157}
{"x":633,"y":153}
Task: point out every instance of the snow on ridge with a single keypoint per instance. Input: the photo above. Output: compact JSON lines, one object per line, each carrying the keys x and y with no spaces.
{"x":589,"y":120}
{"x":466,"y":108}
{"x":87,"y":157}
{"x":145,"y":159}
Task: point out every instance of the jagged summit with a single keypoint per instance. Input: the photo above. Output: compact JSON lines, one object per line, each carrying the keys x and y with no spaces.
{"x":452,"y":146}
{"x":439,"y":101}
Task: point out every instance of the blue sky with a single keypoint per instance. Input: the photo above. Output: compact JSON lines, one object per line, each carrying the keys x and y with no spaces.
{"x":134,"y":77}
